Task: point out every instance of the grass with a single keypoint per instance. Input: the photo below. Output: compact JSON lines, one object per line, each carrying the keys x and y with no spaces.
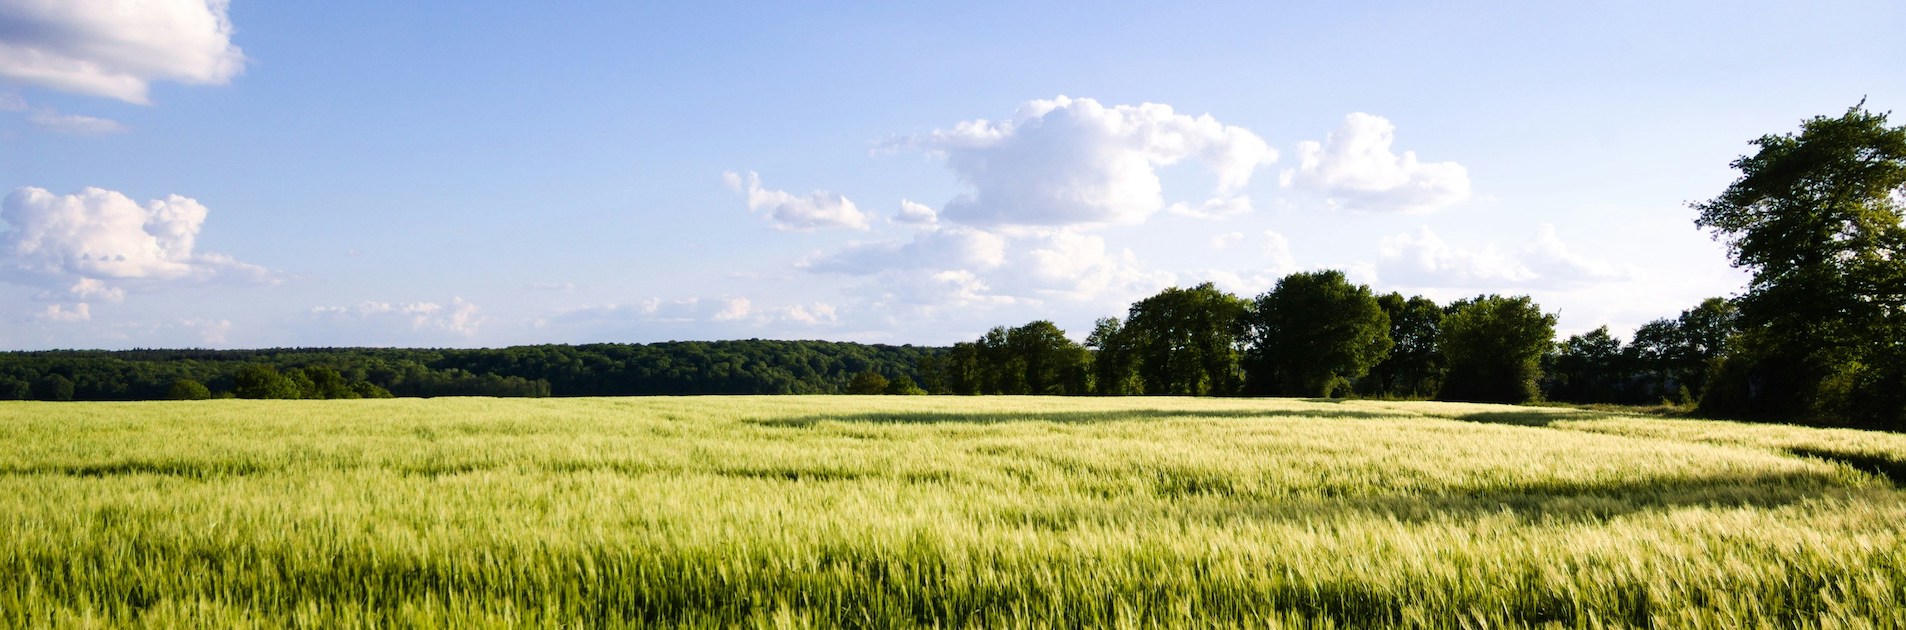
{"x":948,"y":512}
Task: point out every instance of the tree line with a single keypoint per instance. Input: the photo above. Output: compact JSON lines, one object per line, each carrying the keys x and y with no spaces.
{"x":721,"y":367}
{"x":1316,"y":334}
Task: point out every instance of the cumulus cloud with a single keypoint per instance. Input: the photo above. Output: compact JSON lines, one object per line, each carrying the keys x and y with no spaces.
{"x":209,"y":331}
{"x":51,"y":120}
{"x":1065,"y":161}
{"x":1214,"y":208}
{"x":1424,"y":259}
{"x":1548,"y":256}
{"x":117,"y":48}
{"x":819,"y":209}
{"x":1278,"y":262}
{"x":941,"y":247}
{"x":916,"y":213}
{"x":726,"y":310}
{"x":82,"y":241}
{"x":1355,"y":168}
{"x":1074,"y":267}
{"x":961,"y":266}
{"x":66,"y":313}
{"x":1226,"y":240}
{"x":86,"y":290}
{"x":459,"y":317}
{"x":1278,"y":250}
{"x":816,"y":313}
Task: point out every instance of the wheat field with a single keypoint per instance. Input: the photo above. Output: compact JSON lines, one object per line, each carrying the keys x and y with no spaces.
{"x":834,"y":511}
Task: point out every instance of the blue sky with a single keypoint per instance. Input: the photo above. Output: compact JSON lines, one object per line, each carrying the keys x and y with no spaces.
{"x":187,"y":173}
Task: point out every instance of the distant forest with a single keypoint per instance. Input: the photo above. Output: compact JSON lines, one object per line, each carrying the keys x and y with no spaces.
{"x":690,"y":367}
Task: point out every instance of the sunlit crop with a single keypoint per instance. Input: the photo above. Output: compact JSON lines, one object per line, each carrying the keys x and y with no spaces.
{"x":936,"y":511}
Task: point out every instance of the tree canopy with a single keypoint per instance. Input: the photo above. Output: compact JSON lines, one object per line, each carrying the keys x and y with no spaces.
{"x":1815,"y":216}
{"x":1493,"y":346}
{"x":1313,"y":333}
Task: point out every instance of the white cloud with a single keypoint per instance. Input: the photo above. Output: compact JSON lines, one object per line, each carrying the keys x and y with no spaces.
{"x":1425,"y":260}
{"x":816,"y":313}
{"x":117,"y":48}
{"x":210,"y":331}
{"x":1214,"y":208}
{"x":1279,"y":263}
{"x":86,"y":290}
{"x":733,"y":309}
{"x":1356,"y":169}
{"x":561,"y":287}
{"x":82,"y":240}
{"x":967,"y":265}
{"x":1226,"y":240}
{"x":729,"y":313}
{"x":459,"y":317}
{"x":10,"y":102}
{"x":1550,"y":257}
{"x":916,"y":213}
{"x":1278,"y":250}
{"x":1074,"y":267}
{"x":1066,"y":162}
{"x":66,"y":313}
{"x":819,"y":209}
{"x":51,"y":120}
{"x":932,"y":247}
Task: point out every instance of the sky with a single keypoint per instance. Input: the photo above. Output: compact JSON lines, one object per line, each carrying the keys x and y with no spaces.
{"x":203,"y":173}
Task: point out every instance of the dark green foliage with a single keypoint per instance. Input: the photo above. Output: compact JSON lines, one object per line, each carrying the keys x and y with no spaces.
{"x":187,"y":389}
{"x":1185,"y":341}
{"x":722,"y":367}
{"x":1036,"y":358}
{"x":1413,"y":369}
{"x":1114,"y":370}
{"x":868,"y":382}
{"x":1052,"y":363}
{"x":1493,"y":347}
{"x":1589,"y":367}
{"x":53,"y":387}
{"x":364,"y":389}
{"x":1816,"y":217}
{"x":12,"y":388}
{"x":1670,"y":359}
{"x":1312,"y":334}
{"x":903,"y":386}
{"x":264,"y":381}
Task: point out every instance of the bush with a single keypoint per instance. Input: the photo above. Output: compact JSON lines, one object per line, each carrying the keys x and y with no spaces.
{"x":188,"y":389}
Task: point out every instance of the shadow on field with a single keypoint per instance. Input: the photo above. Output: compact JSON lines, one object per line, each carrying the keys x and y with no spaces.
{"x":1206,"y":498}
{"x":1059,"y":417}
{"x":1532,"y":417}
{"x":186,"y":469}
{"x":1892,"y":469}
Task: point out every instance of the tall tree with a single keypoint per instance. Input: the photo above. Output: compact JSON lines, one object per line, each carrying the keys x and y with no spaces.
{"x":1312,"y":333}
{"x":1051,"y":362}
{"x":1493,"y":346}
{"x":1816,"y":218}
{"x":1589,"y":367}
{"x":1186,"y":341}
{"x":1114,"y":372}
{"x":263,"y":381}
{"x":1413,"y":369}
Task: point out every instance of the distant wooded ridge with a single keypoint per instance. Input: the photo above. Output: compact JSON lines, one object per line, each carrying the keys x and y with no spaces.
{"x":753,"y":366}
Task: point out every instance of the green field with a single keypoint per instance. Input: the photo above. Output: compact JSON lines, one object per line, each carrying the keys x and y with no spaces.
{"x":914,"y":511}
